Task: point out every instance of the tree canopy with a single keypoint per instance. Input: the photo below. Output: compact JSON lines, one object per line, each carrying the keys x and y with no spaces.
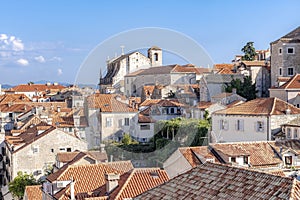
{"x":249,"y":52}
{"x":245,"y":89}
{"x":18,"y":185}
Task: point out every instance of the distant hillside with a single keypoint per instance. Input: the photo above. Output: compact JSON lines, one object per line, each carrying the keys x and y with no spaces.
{"x":6,"y":86}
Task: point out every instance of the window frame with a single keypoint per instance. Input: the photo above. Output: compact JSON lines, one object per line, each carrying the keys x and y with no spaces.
{"x":288,"y":48}
{"x":126,"y":121}
{"x":108,"y":122}
{"x":292,"y":68}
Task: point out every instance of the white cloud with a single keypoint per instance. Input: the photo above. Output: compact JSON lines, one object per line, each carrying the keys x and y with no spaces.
{"x":59,"y":72}
{"x":10,"y":45}
{"x":3,"y":37}
{"x":56,"y":58}
{"x":40,"y":59}
{"x":23,"y":62}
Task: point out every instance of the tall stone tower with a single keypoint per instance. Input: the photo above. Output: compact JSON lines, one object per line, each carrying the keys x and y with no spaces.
{"x":155,"y":56}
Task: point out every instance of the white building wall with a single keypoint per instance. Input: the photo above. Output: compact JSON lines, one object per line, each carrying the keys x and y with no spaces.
{"x":26,"y":160}
{"x":112,"y":123}
{"x":231,"y":134}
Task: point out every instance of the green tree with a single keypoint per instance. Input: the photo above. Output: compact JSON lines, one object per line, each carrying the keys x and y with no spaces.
{"x":126,"y":140}
{"x":18,"y":185}
{"x":245,"y":89}
{"x":249,"y":52}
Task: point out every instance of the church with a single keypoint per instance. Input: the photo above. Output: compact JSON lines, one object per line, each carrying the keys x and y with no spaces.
{"x":117,"y":68}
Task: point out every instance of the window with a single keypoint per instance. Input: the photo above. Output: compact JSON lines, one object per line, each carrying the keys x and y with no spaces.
{"x":240,"y":125}
{"x":145,"y":127}
{"x":233,"y":159}
{"x":288,"y":160}
{"x":290,"y":71}
{"x":290,"y":50}
{"x":223,"y":124}
{"x":280,"y":71}
{"x":298,"y":105}
{"x":280,"y":51}
{"x":156,"y":56}
{"x":108,"y":122}
{"x":245,"y":160}
{"x":172,"y":110}
{"x":295,"y":133}
{"x":52,"y":150}
{"x":70,"y":129}
{"x":126,"y":121}
{"x":288,"y":133}
{"x":69,"y":149}
{"x":35,"y":149}
{"x":260,"y":126}
{"x":62,"y":149}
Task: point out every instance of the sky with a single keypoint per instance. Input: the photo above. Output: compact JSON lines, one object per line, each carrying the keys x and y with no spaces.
{"x":51,"y":40}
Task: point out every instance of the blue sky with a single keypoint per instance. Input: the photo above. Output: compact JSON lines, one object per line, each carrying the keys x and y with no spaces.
{"x":42,"y":40}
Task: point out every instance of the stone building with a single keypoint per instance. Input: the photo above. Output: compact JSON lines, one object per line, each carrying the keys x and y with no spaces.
{"x":255,"y":120}
{"x":285,"y":57}
{"x":118,"y":67}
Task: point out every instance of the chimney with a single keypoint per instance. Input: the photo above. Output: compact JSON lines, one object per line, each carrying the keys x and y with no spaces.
{"x":112,"y":181}
{"x":58,"y":108}
{"x":72,"y":189}
{"x":233,"y":90}
{"x":76,"y":120}
{"x":102,"y":146}
{"x":287,"y":111}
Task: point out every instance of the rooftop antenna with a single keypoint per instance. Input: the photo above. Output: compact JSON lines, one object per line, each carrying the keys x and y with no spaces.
{"x":122,"y":48}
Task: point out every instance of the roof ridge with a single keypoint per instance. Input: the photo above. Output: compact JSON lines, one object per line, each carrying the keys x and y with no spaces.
{"x":290,"y":81}
{"x":273,"y":105}
{"x":132,"y":172}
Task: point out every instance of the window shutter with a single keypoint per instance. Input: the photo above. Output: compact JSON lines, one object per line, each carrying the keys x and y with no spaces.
{"x":226,"y":124}
{"x":242,"y":125}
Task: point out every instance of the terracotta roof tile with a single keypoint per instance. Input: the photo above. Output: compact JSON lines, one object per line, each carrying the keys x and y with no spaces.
{"x":261,"y":106}
{"x":216,"y":181}
{"x":224,"y":66}
{"x":85,"y":186}
{"x":222,"y":95}
{"x":293,"y":83}
{"x":13,"y":98}
{"x":225,"y":71}
{"x":17,"y":108}
{"x":139,"y":181}
{"x":161,"y":102}
{"x":108,"y":103}
{"x":36,"y":87}
{"x":254,"y":63}
{"x":261,"y":153}
{"x":197,"y":155}
{"x":34,"y":192}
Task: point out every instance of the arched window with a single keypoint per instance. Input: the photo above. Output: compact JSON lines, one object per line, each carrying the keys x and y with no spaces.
{"x":156,"y":56}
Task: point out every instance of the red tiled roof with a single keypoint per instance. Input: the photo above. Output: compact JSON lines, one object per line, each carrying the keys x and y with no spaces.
{"x":34,"y":192}
{"x":261,"y":153}
{"x":161,"y":102}
{"x":293,"y":83}
{"x":139,"y":181}
{"x":261,"y":106}
{"x":108,"y":103}
{"x":36,"y":87}
{"x":145,"y":119}
{"x":224,"y":66}
{"x":85,"y":186}
{"x":194,"y":155}
{"x":17,"y":108}
{"x":13,"y":98}
{"x":225,"y":71}
{"x":204,"y":104}
{"x":217,"y":181}
{"x":254,"y":63}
